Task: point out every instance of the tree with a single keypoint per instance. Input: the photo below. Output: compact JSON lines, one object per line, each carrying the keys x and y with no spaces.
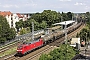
{"x":88,"y":16}
{"x":49,"y":16}
{"x":5,"y":31}
{"x":85,"y":32}
{"x":44,"y":19}
{"x":11,"y":34}
{"x":69,"y":15}
{"x":19,"y":24}
{"x":64,"y":52}
{"x":36,"y":24}
{"x":44,"y":57}
{"x":24,"y":31}
{"x":43,"y":25}
{"x":64,"y":16}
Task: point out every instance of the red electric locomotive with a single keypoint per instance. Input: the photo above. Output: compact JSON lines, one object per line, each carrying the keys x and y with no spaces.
{"x":26,"y":47}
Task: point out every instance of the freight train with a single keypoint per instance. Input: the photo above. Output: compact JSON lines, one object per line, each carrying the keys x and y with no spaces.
{"x":36,"y":43}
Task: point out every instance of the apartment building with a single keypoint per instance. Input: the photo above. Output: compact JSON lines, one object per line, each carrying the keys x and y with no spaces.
{"x":12,"y":18}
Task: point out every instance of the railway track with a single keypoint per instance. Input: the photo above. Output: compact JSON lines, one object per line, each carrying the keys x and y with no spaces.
{"x":18,"y":39}
{"x":12,"y":57}
{"x":22,"y":37}
{"x":2,"y":50}
{"x":36,"y":56}
{"x":69,"y":36}
{"x":56,"y":43}
{"x":38,"y":52}
{"x":32,"y":54}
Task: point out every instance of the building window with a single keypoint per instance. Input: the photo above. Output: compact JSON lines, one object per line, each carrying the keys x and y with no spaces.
{"x":11,"y":18}
{"x":11,"y":23}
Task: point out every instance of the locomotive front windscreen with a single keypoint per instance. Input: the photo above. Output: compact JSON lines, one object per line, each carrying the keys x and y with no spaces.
{"x":20,"y":47}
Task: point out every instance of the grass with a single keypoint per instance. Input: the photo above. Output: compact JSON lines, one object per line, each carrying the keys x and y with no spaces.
{"x":8,"y":52}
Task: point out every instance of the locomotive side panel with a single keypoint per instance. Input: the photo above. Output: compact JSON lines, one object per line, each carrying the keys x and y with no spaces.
{"x":29,"y":47}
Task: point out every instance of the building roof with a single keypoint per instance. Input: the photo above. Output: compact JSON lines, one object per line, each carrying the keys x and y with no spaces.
{"x":19,"y":15}
{"x":75,"y":40}
{"x":64,"y":23}
{"x":4,"y":13}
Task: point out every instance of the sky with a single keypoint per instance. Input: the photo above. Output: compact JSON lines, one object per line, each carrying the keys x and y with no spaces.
{"x":33,"y":6}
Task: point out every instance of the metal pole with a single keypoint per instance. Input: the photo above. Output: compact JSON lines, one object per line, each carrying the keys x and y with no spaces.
{"x":76,"y":17}
{"x":32,"y":31}
{"x":65,"y":33}
{"x":61,"y":18}
{"x":61,"y":21}
{"x":86,"y":40}
{"x":86,"y":46}
{"x":72,"y":18}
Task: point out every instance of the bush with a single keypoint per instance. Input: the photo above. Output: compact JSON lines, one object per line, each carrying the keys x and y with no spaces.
{"x":64,"y":52}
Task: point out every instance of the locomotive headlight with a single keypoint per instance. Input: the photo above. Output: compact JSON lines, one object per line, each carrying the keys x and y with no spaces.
{"x":19,"y":50}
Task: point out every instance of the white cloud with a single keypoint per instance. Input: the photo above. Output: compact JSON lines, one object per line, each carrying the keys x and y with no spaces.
{"x":40,"y":5}
{"x":64,"y":0}
{"x":9,"y":6}
{"x":79,"y":4}
{"x":54,"y":6}
{"x":16,"y":6}
{"x":30,"y":4}
{"x":87,"y":7}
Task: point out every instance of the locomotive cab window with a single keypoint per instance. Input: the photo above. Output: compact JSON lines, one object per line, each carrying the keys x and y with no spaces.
{"x":20,"y":47}
{"x":29,"y":43}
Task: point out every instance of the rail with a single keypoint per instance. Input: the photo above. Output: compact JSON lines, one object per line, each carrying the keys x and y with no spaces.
{"x":21,"y":37}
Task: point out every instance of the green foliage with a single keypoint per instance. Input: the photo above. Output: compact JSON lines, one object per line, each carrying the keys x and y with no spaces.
{"x":24,"y":31}
{"x":85,"y":32}
{"x":69,"y":15}
{"x":44,"y":19}
{"x":36,"y":24}
{"x":50,"y":17}
{"x":64,"y":52}
{"x":43,"y":24}
{"x":64,"y":16}
{"x":11,"y":33}
{"x":44,"y":57}
{"x":88,"y":17}
{"x":19,"y":24}
{"x":6,"y":33}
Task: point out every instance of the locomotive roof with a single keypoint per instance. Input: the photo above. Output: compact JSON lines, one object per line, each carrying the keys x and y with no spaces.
{"x":32,"y":41}
{"x":65,"y":22}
